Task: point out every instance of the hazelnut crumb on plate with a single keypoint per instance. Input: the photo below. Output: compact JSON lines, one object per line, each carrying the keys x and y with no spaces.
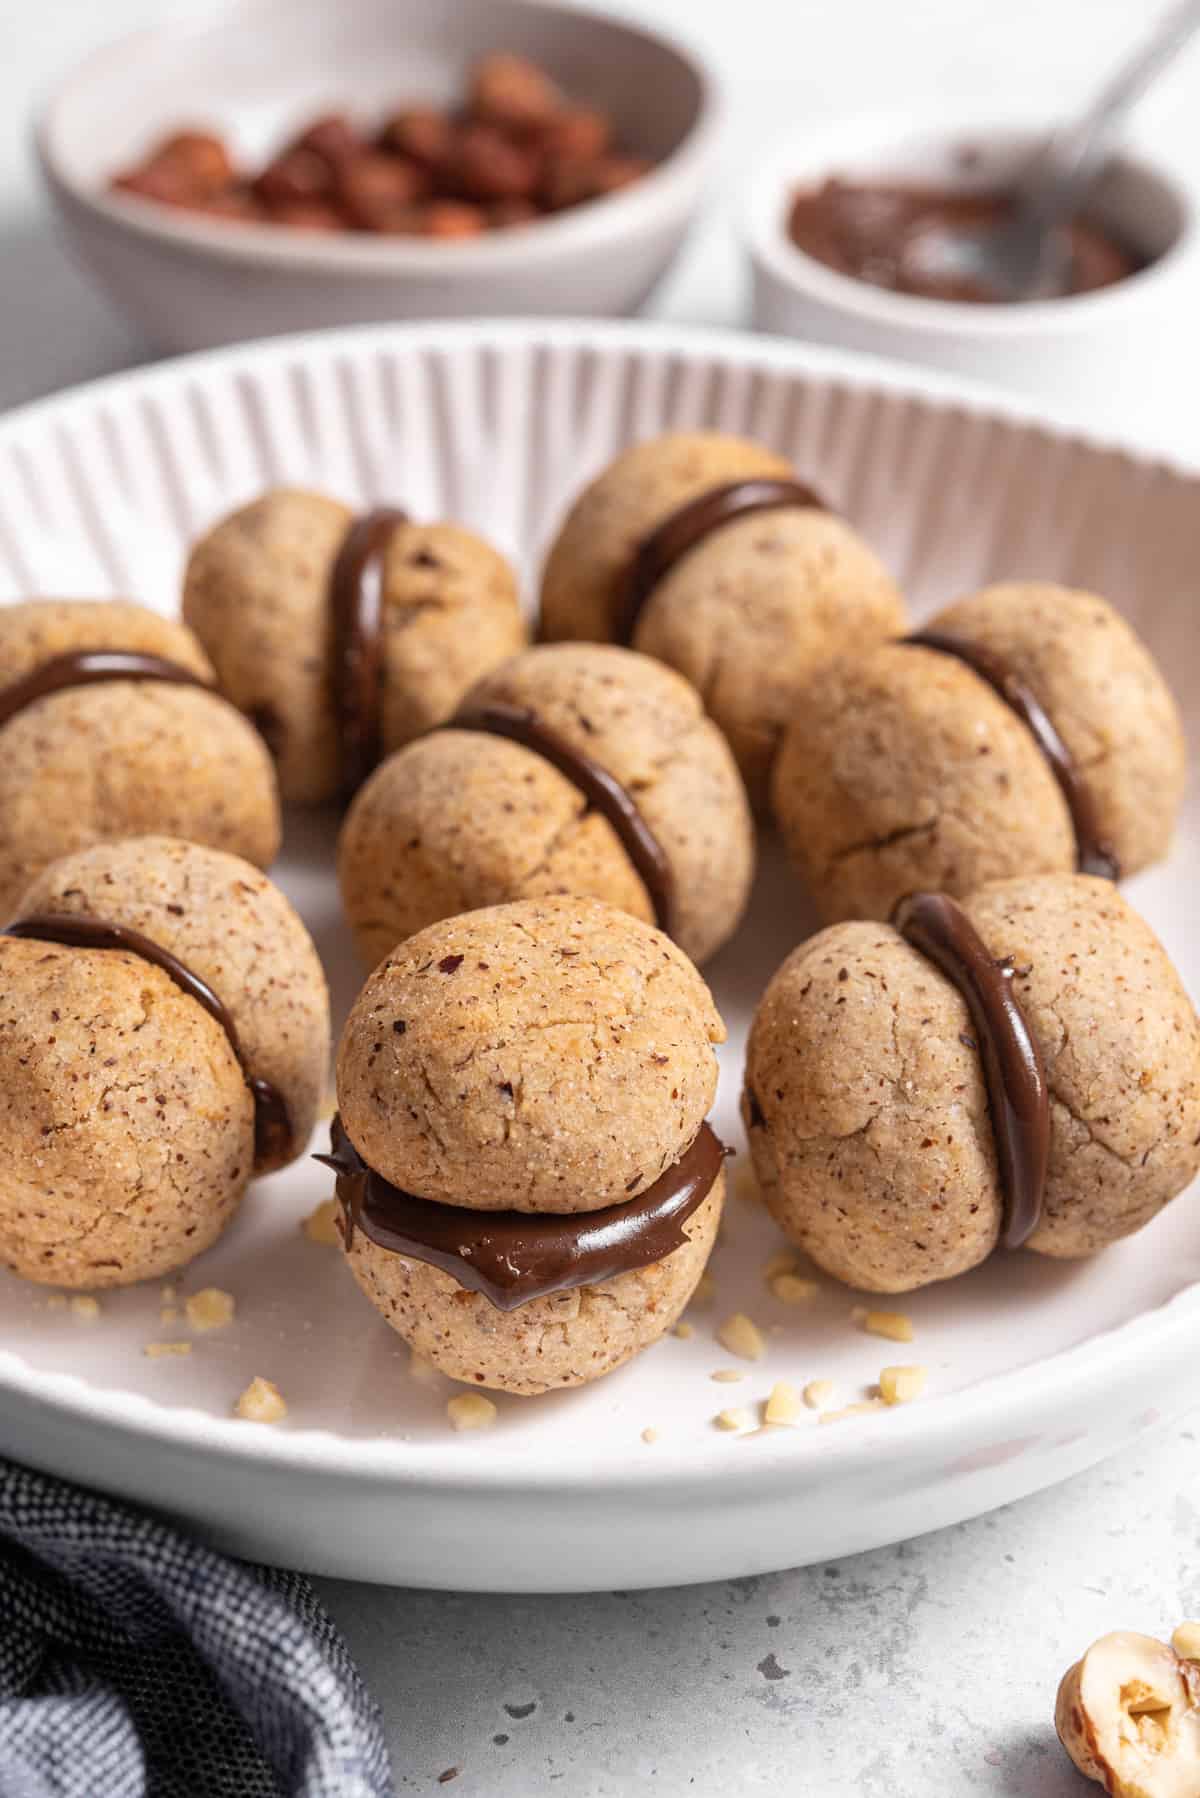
{"x":471,"y":1411}
{"x":742,"y":1336}
{"x":210,"y":1309}
{"x":897,"y":1326}
{"x":261,"y":1402}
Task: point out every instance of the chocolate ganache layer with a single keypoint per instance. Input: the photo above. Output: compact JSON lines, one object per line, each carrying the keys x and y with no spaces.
{"x":272,"y":1125}
{"x":1014,"y":1074}
{"x":356,"y":615}
{"x":690,"y":524}
{"x":603,"y":792}
{"x":511,"y":1257}
{"x":88,"y":667}
{"x":1093,"y":854}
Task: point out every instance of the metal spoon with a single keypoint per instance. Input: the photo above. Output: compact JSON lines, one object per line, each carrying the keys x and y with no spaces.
{"x":1027,"y":257}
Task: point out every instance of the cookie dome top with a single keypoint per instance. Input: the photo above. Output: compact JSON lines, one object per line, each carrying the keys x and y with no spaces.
{"x":549,"y":1055}
{"x":609,"y":519}
{"x":228,"y":924}
{"x":645,"y":725}
{"x":34,"y":630}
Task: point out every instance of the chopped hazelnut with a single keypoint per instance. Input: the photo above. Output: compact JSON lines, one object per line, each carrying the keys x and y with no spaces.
{"x":783,"y":1262}
{"x":735,"y":1418}
{"x":900,"y":1385}
{"x":156,"y":1350}
{"x":684,"y":1331}
{"x":783,"y":1405}
{"x":727,"y":1376}
{"x":261,"y":1402}
{"x":471,"y":1411}
{"x":742,"y":1336}
{"x":85,"y":1308}
{"x":863,"y":1409}
{"x":792,"y":1290}
{"x":896,"y":1325}
{"x":650,"y":1434}
{"x":210,"y":1309}
{"x":321,"y":1225}
{"x":817,"y":1394}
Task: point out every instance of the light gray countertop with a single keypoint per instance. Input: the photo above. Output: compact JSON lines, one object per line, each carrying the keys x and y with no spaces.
{"x":927,"y":1668}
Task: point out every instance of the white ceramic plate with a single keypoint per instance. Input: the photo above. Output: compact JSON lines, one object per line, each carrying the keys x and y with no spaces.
{"x":1037,"y":1369}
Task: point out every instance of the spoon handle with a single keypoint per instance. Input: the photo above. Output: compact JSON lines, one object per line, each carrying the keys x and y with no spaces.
{"x":1066,"y":165}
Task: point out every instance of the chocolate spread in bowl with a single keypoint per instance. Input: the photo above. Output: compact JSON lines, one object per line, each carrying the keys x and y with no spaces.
{"x":880,"y":232}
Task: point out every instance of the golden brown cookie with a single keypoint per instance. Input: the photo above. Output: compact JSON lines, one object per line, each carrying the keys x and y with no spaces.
{"x":746,"y":607}
{"x":464,"y":818}
{"x":129,"y":1102}
{"x":522,"y":1095}
{"x":124,"y":755}
{"x":871,"y":1125}
{"x":259,"y":593}
{"x":908,"y":767}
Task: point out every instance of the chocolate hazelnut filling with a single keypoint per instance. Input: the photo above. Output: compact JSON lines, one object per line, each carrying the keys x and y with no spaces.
{"x":690,"y":524}
{"x":272,"y":1125}
{"x":1013,"y":1070}
{"x":602,"y":791}
{"x":356,"y":659}
{"x":1093,"y":854}
{"x":86,"y":668}
{"x":511,"y":1257}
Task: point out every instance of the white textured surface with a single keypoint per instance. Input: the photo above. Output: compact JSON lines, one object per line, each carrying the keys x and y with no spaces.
{"x":932,"y":1670}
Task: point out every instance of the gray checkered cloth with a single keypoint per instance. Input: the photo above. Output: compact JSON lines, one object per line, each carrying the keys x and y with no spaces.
{"x":135,"y":1663}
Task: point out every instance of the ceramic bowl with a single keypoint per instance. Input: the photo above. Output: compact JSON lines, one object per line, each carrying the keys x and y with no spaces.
{"x":1103,"y":356}
{"x":262,"y":68}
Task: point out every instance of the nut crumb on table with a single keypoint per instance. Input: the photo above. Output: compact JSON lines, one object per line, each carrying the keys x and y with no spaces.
{"x":155,"y":1351}
{"x":818,"y":1393}
{"x":85,"y":1308}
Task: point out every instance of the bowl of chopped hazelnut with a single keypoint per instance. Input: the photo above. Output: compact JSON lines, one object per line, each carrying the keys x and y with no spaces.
{"x":290,"y":164}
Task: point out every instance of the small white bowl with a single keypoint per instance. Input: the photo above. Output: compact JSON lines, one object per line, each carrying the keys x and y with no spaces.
{"x":261,"y":68}
{"x":1104,"y":356}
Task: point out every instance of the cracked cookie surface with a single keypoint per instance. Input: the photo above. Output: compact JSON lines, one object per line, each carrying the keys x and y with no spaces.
{"x":461,"y":820}
{"x":867,"y":1112}
{"x":904,"y":771}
